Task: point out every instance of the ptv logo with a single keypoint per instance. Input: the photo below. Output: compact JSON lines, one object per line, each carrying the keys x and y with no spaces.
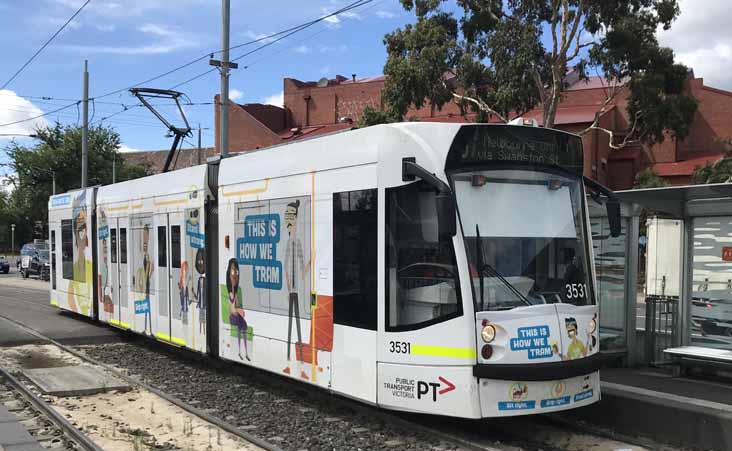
{"x":424,"y":388}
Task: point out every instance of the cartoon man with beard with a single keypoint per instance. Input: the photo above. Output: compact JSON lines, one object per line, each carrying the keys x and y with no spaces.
{"x":296,"y":268}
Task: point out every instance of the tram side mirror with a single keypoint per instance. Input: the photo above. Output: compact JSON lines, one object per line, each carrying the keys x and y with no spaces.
{"x":613,"y":216}
{"x":446,"y":222}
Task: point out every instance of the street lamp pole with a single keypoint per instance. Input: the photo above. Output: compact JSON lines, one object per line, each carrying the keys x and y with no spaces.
{"x":12,"y":238}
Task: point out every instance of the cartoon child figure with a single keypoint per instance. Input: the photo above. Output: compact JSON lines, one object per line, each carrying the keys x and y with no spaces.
{"x":576,"y":348}
{"x":199,"y":294}
{"x":183,"y":290}
{"x":236,"y":310}
{"x":105,"y":288}
{"x":81,"y":269}
{"x":147,"y":269}
{"x":295,"y":271}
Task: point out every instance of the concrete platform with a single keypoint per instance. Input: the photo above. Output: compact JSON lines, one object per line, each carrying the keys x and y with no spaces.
{"x":13,"y":436}
{"x":80,"y":380}
{"x":691,"y":413}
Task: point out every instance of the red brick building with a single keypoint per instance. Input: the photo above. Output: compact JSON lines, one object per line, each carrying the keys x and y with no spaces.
{"x":329,"y":105}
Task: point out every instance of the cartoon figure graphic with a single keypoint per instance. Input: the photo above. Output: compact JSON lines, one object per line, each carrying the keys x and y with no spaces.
{"x":296,"y":270}
{"x":236,"y":304}
{"x":82,"y":269}
{"x":105,"y":288}
{"x":576,"y":348}
{"x":199,"y":294}
{"x":518,"y":391}
{"x":144,"y":273}
{"x":183,"y":290}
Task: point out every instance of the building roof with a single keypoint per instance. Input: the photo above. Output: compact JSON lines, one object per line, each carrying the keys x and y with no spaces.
{"x":684,"y":168}
{"x":155,"y":159}
{"x":311,"y":131}
{"x":581,"y":114}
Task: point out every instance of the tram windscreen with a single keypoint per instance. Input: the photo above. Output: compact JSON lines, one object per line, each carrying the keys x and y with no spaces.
{"x":524,"y":237}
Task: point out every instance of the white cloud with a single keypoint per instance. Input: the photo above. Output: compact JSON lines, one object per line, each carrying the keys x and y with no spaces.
{"x":275,"y":99}
{"x":105,"y":27}
{"x":302,"y":49}
{"x":324,"y":70}
{"x":702,"y":39}
{"x":126,"y":8}
{"x":6,"y":184}
{"x":342,"y":48}
{"x":13,"y":109}
{"x":385,"y":14}
{"x":235,"y":94}
{"x":124,"y":148}
{"x":260,"y":37}
{"x":167,"y":39}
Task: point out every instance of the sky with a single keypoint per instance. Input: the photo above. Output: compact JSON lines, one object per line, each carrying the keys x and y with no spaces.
{"x":127,"y":41}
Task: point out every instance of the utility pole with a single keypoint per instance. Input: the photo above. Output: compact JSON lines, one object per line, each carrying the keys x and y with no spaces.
{"x":12,"y":238}
{"x":224,"y":65}
{"x":85,"y":130}
{"x":114,"y":168}
{"x":200,"y":149}
{"x":53,"y":173}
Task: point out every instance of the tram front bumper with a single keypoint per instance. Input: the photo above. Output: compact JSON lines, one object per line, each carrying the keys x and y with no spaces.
{"x":540,"y":371}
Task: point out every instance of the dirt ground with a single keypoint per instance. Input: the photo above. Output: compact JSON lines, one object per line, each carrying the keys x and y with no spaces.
{"x":135,"y":420}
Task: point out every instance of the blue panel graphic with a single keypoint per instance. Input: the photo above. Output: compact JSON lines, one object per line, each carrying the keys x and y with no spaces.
{"x":258,"y":248}
{"x":516,"y":405}
{"x":555,"y":402}
{"x":59,"y":201}
{"x":583,"y":395}
{"x":534,"y":340}
{"x":142,"y":306}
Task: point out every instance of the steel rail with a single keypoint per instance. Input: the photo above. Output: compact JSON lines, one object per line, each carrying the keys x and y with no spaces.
{"x":230,"y":428}
{"x":46,"y":409}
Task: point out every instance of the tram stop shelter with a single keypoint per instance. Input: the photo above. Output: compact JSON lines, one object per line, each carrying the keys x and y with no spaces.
{"x":664,"y":325}
{"x":693,"y":323}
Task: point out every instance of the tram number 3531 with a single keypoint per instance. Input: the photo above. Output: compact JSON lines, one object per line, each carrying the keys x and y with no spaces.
{"x":400,"y":347}
{"x":576,"y":290}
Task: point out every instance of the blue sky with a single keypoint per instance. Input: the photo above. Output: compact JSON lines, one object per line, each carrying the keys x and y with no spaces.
{"x":127,"y":41}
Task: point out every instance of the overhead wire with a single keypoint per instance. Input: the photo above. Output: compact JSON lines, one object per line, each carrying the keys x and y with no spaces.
{"x":44,"y":45}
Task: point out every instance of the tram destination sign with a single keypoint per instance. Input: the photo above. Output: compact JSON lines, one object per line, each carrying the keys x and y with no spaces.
{"x":481,"y":145}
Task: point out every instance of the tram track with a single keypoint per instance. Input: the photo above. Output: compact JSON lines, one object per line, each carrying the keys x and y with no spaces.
{"x":45,"y":425}
{"x":332,"y":422}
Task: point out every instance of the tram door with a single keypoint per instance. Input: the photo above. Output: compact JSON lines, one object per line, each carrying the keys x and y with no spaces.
{"x":123,"y":277}
{"x":179,"y":294}
{"x":164,"y":282}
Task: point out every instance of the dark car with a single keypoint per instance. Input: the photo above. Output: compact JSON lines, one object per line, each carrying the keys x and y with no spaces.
{"x":35,"y":261}
{"x":4,"y":265}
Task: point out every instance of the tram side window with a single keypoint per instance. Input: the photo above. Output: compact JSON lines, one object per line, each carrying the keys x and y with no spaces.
{"x":123,"y":246}
{"x":421,"y":272}
{"x":175,"y":246}
{"x":113,"y":243}
{"x":354,"y":258}
{"x":162,"y":242}
{"x":67,"y":249}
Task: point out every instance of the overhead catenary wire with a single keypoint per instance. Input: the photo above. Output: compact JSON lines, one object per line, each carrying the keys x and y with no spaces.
{"x":47,"y":113}
{"x":44,"y":45}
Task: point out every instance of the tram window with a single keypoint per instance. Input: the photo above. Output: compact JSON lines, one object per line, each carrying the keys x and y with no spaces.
{"x":175,"y":246}
{"x":113,"y":243}
{"x":354,"y":258}
{"x":67,"y":249}
{"x":53,"y":259}
{"x":123,"y":246}
{"x":162,"y":251}
{"x":421,"y":273}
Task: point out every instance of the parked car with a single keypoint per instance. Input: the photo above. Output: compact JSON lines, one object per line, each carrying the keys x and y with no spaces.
{"x":4,"y":264}
{"x":34,"y":260}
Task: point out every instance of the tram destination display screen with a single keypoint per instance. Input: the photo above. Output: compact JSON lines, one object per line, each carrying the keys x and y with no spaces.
{"x":481,"y":145}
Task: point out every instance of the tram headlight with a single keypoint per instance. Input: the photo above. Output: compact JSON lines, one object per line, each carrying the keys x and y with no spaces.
{"x":591,"y":326}
{"x":488,"y":333}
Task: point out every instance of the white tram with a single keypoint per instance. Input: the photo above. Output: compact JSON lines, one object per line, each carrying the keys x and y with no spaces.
{"x":433,"y":268}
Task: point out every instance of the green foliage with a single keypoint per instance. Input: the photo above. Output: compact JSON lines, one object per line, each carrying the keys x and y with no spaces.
{"x":648,"y":179}
{"x":371,"y":116}
{"x":58,"y":151}
{"x":717,"y":172}
{"x":491,"y":58}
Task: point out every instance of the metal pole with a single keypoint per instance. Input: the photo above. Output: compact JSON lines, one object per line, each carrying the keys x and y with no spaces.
{"x":12,"y":239}
{"x":85,"y":129}
{"x":224,"y":98}
{"x":54,"y":181}
{"x":199,"y":143}
{"x":114,"y":168}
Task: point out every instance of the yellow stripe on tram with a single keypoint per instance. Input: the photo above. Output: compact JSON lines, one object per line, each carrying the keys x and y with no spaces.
{"x":54,"y":303}
{"x":118,"y":323}
{"x":443,"y":351}
{"x":168,"y":338}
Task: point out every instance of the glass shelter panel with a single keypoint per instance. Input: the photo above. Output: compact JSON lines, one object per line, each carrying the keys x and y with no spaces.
{"x":711,"y":288}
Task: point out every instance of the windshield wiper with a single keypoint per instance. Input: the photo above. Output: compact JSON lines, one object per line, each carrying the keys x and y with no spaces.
{"x":492,"y":271}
